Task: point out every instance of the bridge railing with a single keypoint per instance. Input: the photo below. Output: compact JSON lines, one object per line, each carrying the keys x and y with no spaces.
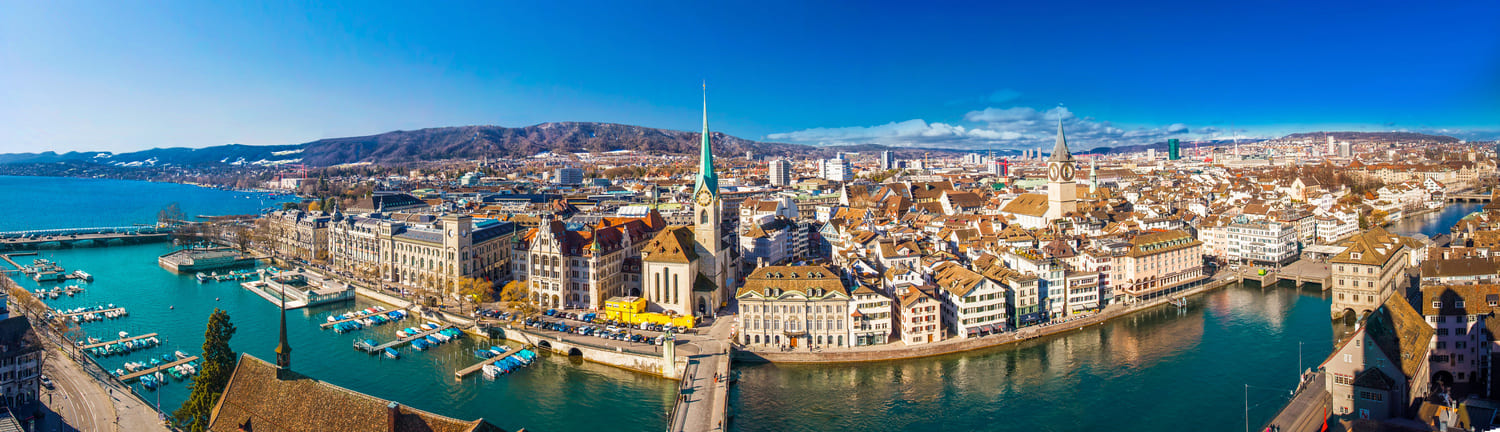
{"x":84,"y":231}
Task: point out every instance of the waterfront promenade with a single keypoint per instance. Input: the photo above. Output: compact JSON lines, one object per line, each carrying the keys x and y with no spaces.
{"x":898,"y":351}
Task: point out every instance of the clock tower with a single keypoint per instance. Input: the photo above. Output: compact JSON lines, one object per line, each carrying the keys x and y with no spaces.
{"x":713,"y":254}
{"x":1062,"y":193}
{"x":706,"y":204}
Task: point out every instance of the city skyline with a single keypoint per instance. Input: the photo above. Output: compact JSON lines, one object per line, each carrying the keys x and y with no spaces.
{"x":114,"y":78}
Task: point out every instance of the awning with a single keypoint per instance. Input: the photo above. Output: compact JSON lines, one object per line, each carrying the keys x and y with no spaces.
{"x":974,"y":329}
{"x":856,"y":314}
{"x":992,"y":328}
{"x":795,"y":333}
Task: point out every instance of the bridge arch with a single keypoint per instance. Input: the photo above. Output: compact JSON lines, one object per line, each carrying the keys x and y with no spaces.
{"x":575,"y":352}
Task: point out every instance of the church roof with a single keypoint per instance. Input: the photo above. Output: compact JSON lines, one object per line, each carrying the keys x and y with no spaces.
{"x":707,"y":178}
{"x":1060,"y":152}
{"x":674,"y":245}
{"x":261,"y":398}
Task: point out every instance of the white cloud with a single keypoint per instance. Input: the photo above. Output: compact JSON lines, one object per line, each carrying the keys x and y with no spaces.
{"x":1017,"y":127}
{"x":907,"y":133}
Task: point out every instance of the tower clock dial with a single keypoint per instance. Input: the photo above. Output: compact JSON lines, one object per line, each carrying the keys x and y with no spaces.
{"x":705,"y":198}
{"x":1067,"y":172}
{"x":1052,"y":172}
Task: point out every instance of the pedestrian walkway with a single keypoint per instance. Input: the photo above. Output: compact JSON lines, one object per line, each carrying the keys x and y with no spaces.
{"x":1307,"y":411}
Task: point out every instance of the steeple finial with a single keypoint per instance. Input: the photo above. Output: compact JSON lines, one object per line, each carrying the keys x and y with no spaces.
{"x":283,"y":349}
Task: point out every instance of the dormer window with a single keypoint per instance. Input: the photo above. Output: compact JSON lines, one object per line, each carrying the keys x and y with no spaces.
{"x":1437,"y":305}
{"x":1459,"y":304}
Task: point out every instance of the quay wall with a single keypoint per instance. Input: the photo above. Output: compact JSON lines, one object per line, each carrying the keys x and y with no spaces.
{"x":647,"y":364}
{"x":951,"y":346}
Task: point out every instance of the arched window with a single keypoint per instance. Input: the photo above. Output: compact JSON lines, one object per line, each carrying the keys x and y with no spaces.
{"x":703,"y":218}
{"x":675,"y":297}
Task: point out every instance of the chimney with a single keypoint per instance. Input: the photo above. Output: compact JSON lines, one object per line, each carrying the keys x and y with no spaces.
{"x":391,"y":412}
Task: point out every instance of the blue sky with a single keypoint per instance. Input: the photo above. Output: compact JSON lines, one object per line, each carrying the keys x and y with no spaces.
{"x":119,"y":77}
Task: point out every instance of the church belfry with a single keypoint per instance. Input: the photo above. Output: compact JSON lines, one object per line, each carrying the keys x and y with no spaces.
{"x":706,"y":204}
{"x":1062,"y":193}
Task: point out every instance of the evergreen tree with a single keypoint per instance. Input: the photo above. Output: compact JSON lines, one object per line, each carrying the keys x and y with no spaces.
{"x":208,"y":385}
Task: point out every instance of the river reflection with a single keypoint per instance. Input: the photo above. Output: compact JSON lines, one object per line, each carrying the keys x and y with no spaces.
{"x":1167,"y":366}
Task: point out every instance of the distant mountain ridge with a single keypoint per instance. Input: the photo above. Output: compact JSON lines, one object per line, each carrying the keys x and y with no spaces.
{"x":497,"y":142}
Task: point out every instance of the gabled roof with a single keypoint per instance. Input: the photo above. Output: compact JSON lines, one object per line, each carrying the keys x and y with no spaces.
{"x":1401,"y":333}
{"x":673,"y":245}
{"x":1027,"y":204}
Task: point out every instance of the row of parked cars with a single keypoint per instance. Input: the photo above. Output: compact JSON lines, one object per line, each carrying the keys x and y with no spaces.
{"x":593,"y":318}
{"x":604,"y":332}
{"x":491,"y":313}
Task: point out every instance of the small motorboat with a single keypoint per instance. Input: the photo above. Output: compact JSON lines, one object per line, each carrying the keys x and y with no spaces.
{"x":392,"y":353}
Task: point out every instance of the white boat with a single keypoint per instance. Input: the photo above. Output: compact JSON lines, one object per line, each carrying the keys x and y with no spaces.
{"x":82,"y":275}
{"x":124,"y":335}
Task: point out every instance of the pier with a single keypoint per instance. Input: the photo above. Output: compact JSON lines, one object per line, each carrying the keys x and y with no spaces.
{"x":100,"y":344}
{"x":164,"y":366}
{"x":480,"y":366}
{"x":330,"y":324}
{"x":101,"y":312}
{"x":403,"y":341}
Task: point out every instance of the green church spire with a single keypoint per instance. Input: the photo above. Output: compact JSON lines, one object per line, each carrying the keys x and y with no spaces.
{"x":707,"y":179}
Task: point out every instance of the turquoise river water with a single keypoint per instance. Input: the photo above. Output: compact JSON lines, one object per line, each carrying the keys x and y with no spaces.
{"x":1167,"y":368}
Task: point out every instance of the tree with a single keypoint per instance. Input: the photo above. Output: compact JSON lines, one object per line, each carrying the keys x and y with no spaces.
{"x":170,"y":215}
{"x":1377,"y":217}
{"x":208,"y":385}
{"x":315,"y":206}
{"x":516,"y":294}
{"x":476,"y":290}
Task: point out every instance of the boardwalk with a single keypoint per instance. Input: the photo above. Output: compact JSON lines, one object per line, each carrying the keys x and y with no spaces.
{"x":100,"y":344}
{"x":143,"y":372}
{"x":326,"y":325}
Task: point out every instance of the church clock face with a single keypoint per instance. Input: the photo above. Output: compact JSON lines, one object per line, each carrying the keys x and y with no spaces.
{"x":1067,"y":172}
{"x":705,"y":198}
{"x":1052,"y":172}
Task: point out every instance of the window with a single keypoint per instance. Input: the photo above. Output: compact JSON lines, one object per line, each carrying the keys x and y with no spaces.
{"x":1371,"y":396}
{"x":1459,"y":304}
{"x":1437,"y":305}
{"x":1342,"y":380}
{"x":1349,"y":358}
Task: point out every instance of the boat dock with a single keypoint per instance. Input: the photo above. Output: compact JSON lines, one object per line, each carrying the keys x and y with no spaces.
{"x":327,"y":325}
{"x":403,"y":341}
{"x":13,"y":263}
{"x":164,"y":366}
{"x":100,"y":344}
{"x":101,"y":312}
{"x":480,"y":366}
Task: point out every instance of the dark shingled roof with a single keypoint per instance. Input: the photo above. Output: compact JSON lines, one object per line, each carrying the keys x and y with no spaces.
{"x":273,"y":400}
{"x":1401,"y":333}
